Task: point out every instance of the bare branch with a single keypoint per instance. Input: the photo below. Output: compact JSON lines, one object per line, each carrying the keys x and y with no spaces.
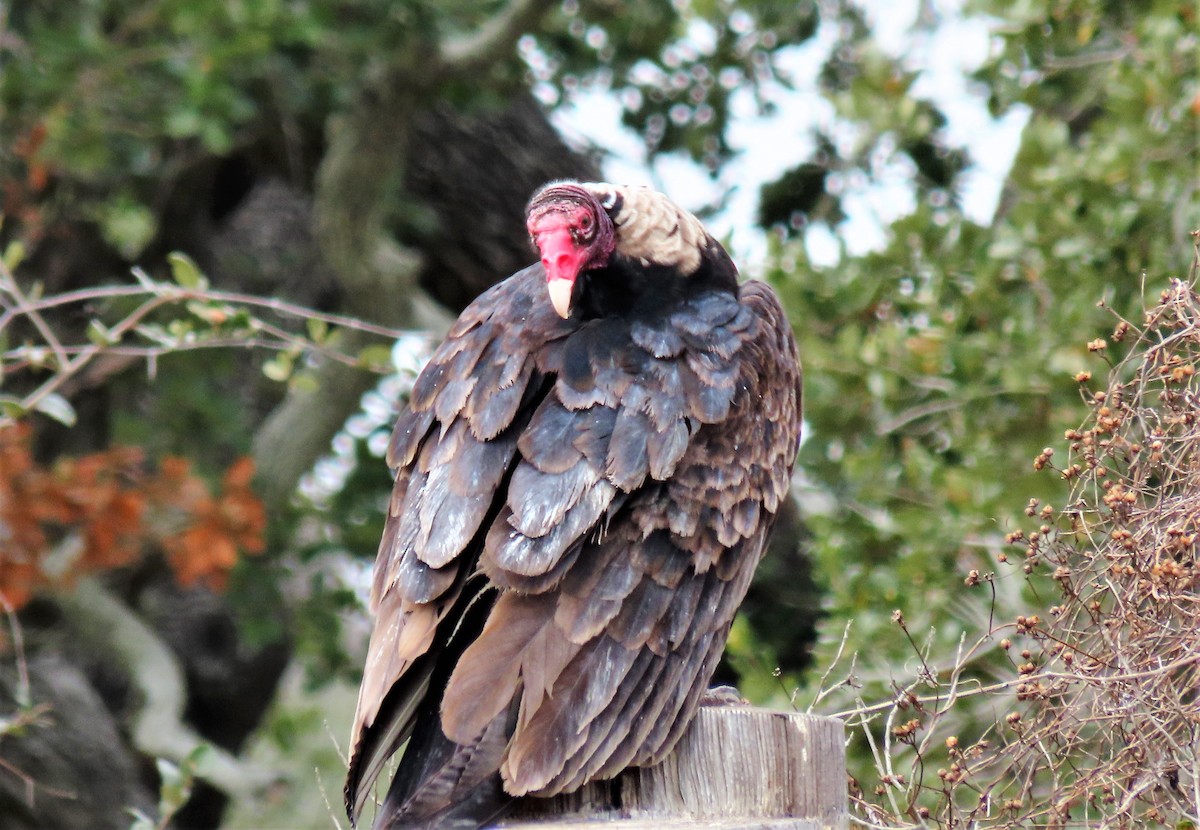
{"x":1083,"y":709}
{"x":484,"y":46}
{"x":78,"y":365}
{"x":157,"y":727}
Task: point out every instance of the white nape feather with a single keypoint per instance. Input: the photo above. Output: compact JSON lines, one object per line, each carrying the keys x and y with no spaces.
{"x":653,"y":229}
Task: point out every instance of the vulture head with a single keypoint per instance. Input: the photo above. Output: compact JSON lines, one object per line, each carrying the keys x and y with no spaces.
{"x":578,"y":227}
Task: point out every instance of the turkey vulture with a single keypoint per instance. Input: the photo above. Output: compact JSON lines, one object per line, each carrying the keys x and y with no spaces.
{"x":587,"y":472}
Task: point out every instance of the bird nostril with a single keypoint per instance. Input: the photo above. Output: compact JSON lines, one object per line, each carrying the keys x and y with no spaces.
{"x":558,"y":263}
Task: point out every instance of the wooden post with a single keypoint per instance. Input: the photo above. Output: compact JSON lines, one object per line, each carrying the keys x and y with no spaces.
{"x":736,"y":768}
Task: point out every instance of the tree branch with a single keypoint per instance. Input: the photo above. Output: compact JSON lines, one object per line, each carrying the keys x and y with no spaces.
{"x":361,"y":177}
{"x":489,"y":42}
{"x":356,"y":188}
{"x":157,"y":727}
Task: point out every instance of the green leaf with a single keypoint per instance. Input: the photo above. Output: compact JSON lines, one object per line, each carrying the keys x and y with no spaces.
{"x":184,"y":331}
{"x":57,"y":407}
{"x":13,"y":254}
{"x":175,"y":785}
{"x":183,"y":123}
{"x":11,"y":407}
{"x":279,"y":368}
{"x":141,"y":821}
{"x":318,"y":330}
{"x":177,"y":781}
{"x":215,"y":137}
{"x":39,"y":357}
{"x":155,"y":334}
{"x":99,"y":333}
{"x":186,"y":272}
{"x":304,"y":382}
{"x":375,"y":357}
{"x":214,"y":314}
{"x":127,"y":225}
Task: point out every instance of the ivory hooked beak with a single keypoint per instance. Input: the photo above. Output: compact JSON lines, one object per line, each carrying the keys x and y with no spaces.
{"x":560,"y":296}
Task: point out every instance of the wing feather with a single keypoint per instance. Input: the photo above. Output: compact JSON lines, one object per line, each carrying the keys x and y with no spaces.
{"x":595,"y":591}
{"x":487,"y":676}
{"x":552,"y":733}
{"x":615,"y":484}
{"x":411,"y":430}
{"x":660,"y":340}
{"x":628,"y":457}
{"x":640,"y":614}
{"x":668,"y":446}
{"x":681,"y":697}
{"x":549,"y":442}
{"x":458,"y":495}
{"x":539,"y":501}
{"x":594,"y":433}
{"x":631,"y":749}
{"x":608,"y":733}
{"x":652,"y":607}
{"x":508,"y":549}
{"x":453,"y":448}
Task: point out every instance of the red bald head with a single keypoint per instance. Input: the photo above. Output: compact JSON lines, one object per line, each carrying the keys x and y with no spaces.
{"x":573,"y":233}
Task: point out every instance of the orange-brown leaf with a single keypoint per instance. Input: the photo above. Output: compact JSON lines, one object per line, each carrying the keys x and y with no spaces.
{"x":240,"y":473}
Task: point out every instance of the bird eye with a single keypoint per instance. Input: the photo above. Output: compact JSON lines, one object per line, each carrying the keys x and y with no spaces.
{"x":586,"y":225}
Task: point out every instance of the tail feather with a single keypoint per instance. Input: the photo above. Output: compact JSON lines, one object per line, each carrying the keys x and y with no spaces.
{"x":443,"y":784}
{"x":439,"y":782}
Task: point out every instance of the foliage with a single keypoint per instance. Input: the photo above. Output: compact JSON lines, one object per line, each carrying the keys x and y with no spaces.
{"x":144,"y":322}
{"x":935,"y":366}
{"x":1083,"y":710}
{"x":26,"y":713}
{"x":101,"y":99}
{"x":103,"y":510}
{"x":106,"y":93}
{"x":940,"y":365}
{"x":673,"y":66}
{"x":113,"y":107}
{"x":178,"y":781}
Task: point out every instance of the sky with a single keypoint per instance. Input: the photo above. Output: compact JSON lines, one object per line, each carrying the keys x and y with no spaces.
{"x":943,"y":58}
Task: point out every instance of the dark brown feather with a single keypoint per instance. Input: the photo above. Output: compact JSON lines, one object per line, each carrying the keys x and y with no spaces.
{"x":487,"y":678}
{"x":579,"y":507}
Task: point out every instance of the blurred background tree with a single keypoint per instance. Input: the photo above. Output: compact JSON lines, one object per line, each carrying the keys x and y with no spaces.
{"x":372,"y":159}
{"x":939,"y":366}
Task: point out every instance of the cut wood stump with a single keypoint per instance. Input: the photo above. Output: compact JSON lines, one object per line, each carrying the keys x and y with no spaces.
{"x":736,"y":768}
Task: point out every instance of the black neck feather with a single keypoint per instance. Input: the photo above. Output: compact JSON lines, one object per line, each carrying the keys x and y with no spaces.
{"x":628,"y":288}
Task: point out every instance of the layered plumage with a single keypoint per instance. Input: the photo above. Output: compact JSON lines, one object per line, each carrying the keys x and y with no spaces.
{"x":587,"y":473}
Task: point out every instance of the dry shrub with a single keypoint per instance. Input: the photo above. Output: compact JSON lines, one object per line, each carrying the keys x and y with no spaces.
{"x":1093,"y":718}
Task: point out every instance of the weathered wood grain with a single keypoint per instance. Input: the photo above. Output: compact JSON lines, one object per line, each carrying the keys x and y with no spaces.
{"x":736,"y":768}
